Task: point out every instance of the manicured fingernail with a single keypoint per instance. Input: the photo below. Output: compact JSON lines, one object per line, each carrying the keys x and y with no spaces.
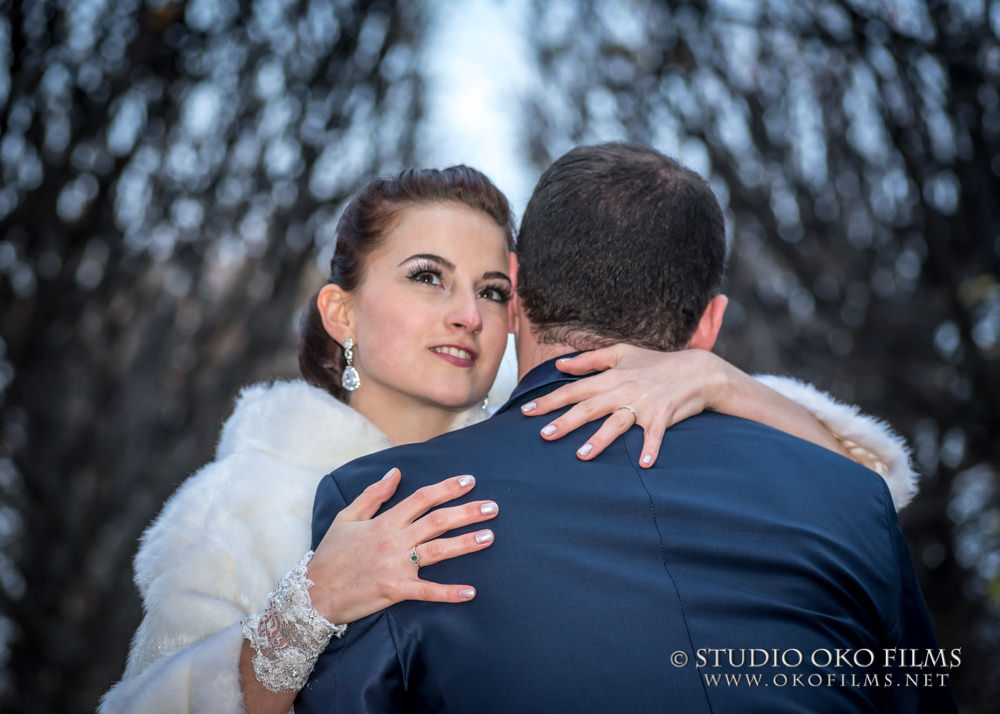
{"x":647,"y":459}
{"x":484,"y":536}
{"x":388,"y":473}
{"x":529,"y":407}
{"x":549,"y":430}
{"x":466,"y":481}
{"x":488,"y":508}
{"x":585,"y":450}
{"x":467,"y":593}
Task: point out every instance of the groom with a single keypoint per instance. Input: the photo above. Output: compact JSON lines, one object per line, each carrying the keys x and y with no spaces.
{"x":746,"y":571}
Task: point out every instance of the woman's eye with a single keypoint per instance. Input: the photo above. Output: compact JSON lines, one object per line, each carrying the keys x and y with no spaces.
{"x":426,"y":277}
{"x":495,"y":294}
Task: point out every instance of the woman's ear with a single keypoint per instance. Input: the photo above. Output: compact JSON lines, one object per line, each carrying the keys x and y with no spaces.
{"x":334,"y":305}
{"x":710,"y":324}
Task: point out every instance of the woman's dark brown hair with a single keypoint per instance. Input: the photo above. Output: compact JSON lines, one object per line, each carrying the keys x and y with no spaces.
{"x":361,"y":229}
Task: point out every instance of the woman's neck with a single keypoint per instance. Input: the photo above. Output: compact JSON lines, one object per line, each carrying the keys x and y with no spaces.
{"x":407,"y":423}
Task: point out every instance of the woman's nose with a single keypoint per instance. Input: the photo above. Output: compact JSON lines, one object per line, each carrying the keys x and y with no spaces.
{"x":465,"y":312}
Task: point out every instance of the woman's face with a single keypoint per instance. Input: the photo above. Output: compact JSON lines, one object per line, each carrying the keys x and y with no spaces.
{"x":430,"y":314}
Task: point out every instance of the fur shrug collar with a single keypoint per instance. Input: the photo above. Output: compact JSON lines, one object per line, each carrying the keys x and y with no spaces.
{"x":301,"y":424}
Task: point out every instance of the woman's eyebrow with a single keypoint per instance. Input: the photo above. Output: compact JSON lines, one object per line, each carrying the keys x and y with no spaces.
{"x":489,"y":275}
{"x":431,"y":257}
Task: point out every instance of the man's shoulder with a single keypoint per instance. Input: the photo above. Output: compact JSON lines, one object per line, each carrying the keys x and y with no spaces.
{"x":768,"y":457}
{"x":737,"y":433}
{"x":427,"y":461}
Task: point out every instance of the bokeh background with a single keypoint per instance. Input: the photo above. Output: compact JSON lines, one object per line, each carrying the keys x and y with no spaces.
{"x":172,"y":172}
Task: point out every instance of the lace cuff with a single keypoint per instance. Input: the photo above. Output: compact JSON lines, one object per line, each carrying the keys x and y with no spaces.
{"x":289,"y":635}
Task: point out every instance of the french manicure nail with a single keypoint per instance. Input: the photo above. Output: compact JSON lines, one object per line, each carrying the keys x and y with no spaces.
{"x":529,"y":407}
{"x":388,"y":473}
{"x":467,"y":593}
{"x":647,"y":459}
{"x":488,"y":508}
{"x":484,"y":536}
{"x":466,"y":481}
{"x":549,"y":430}
{"x":585,"y":450}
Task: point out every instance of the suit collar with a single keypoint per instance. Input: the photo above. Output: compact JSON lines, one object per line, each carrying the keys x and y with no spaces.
{"x":539,"y":378}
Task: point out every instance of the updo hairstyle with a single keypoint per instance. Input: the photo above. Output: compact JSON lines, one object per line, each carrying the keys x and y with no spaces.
{"x":362,"y":228}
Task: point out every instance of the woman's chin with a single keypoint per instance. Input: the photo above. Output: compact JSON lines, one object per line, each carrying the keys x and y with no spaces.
{"x":456,"y":401}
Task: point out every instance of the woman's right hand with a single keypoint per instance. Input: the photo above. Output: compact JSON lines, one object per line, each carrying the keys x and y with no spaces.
{"x":363,"y":564}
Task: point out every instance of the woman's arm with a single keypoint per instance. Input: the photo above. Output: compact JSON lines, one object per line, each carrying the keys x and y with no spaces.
{"x":361,"y":567}
{"x":200,"y":579}
{"x":199,"y":676}
{"x":664,"y":388}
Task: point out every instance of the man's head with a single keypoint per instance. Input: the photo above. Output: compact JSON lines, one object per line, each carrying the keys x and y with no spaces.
{"x":620,"y":243}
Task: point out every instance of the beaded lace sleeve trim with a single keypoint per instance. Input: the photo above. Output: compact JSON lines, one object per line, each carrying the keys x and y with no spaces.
{"x":289,"y":635}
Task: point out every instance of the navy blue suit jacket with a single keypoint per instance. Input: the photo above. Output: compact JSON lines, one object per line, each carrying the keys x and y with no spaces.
{"x":612,"y":588}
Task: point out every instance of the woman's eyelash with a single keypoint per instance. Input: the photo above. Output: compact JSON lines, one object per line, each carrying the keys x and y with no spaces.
{"x":502,"y":291}
{"x":419,"y":269}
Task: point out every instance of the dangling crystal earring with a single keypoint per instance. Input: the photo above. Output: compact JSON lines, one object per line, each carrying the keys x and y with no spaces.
{"x":350,"y":379}
{"x":485,"y":406}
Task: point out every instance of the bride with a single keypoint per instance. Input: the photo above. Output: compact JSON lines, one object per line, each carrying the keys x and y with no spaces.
{"x":231,"y":623}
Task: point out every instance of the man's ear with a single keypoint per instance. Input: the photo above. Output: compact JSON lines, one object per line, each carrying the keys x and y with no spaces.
{"x":334,"y":305}
{"x":513,"y":305}
{"x":709,"y":324}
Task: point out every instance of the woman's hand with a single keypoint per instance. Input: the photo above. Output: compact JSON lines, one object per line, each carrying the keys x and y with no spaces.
{"x":363,"y":564}
{"x":662,"y":388}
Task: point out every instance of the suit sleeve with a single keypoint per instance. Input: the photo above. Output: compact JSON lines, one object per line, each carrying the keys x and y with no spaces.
{"x":328,"y":503}
{"x":920,"y":668}
{"x":358,"y":673}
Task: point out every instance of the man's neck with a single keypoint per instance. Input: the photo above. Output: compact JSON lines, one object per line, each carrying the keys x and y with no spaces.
{"x":531,"y":352}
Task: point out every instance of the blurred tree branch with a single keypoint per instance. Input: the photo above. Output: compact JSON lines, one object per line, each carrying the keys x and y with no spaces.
{"x":170,"y":170}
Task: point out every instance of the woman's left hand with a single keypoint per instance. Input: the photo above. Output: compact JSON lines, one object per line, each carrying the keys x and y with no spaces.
{"x":662,"y":388}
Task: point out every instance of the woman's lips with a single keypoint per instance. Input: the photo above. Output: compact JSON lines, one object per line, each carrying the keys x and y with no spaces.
{"x":460,"y":356}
